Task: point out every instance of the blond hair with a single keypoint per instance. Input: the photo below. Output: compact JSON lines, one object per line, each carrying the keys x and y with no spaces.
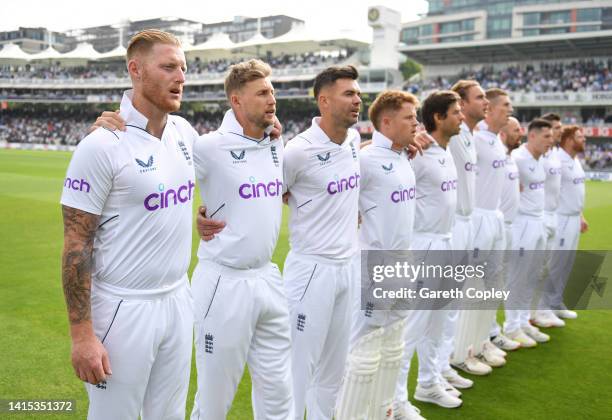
{"x":390,"y":100}
{"x":462,"y":87}
{"x":494,"y":93}
{"x":242,"y":73}
{"x":144,"y":40}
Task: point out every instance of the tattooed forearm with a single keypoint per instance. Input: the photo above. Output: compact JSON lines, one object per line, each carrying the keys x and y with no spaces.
{"x":79,"y":232}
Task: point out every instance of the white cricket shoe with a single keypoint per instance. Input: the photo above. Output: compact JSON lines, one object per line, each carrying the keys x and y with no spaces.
{"x":456,"y":380}
{"x":436,"y":394}
{"x":519,"y":336}
{"x":547,"y":319}
{"x":490,"y":358}
{"x":505,"y":343}
{"x":403,"y":410}
{"x":450,"y":389}
{"x":566,"y":314}
{"x":535,"y":333}
{"x":494,"y":349}
{"x":473,"y":366}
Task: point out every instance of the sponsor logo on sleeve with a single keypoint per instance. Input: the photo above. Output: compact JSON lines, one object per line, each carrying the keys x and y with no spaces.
{"x":77,"y":184}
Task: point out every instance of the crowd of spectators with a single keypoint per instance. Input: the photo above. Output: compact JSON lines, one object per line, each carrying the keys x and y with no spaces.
{"x":68,"y":125}
{"x":584,"y":75}
{"x":114,"y":70}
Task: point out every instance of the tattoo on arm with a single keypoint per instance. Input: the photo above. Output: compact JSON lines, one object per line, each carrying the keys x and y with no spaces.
{"x":79,"y":232}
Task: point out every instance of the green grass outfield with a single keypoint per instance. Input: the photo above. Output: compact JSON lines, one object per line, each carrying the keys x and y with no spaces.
{"x":568,"y":378}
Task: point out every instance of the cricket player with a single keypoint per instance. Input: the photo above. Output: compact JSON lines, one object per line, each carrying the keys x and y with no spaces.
{"x":322,"y":176}
{"x":240,"y":305}
{"x":510,"y":135}
{"x":387,"y":206}
{"x":570,"y":222}
{"x":257,"y":331}
{"x":543,"y":317}
{"x":488,"y":231}
{"x":436,"y":200}
{"x":127,"y":202}
{"x":474,"y":104}
{"x":528,"y":235}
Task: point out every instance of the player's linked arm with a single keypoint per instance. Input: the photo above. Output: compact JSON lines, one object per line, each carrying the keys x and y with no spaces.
{"x":89,"y":358}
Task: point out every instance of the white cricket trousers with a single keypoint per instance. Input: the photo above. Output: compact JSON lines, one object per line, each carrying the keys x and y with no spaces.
{"x":424,"y":327}
{"x":495,"y":327}
{"x":148,"y":337}
{"x":524,"y":269}
{"x":561,"y":260}
{"x":241,"y":316}
{"x":319,"y":291}
{"x":488,"y":244}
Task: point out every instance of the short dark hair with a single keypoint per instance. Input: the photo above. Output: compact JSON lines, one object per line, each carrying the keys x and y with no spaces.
{"x":551,"y":116}
{"x":437,"y":103}
{"x":331,"y":74}
{"x":538,"y":124}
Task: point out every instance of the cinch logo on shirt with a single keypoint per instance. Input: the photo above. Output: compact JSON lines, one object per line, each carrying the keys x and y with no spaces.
{"x":448,"y":185}
{"x":403,"y":194}
{"x":77,"y":184}
{"x":498,"y":163}
{"x":554,"y":171}
{"x":165,"y":198}
{"x":578,"y":180}
{"x":344,"y":184}
{"x":513,"y":175}
{"x":536,"y":185}
{"x":471,"y":167}
{"x":261,"y":189}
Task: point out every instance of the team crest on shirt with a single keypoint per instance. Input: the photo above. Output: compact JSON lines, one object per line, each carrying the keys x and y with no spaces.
{"x":148,"y":166}
{"x":301,"y":322}
{"x":389,"y":168}
{"x":324,"y":158}
{"x":274,"y":156}
{"x":239,"y":156}
{"x":185,"y":152}
{"x":467,"y":142}
{"x":353,"y":151}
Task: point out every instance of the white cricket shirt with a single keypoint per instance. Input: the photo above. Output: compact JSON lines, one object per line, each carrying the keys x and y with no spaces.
{"x":323,"y":178}
{"x":463,"y":149}
{"x":511,"y":194}
{"x":532,"y":178}
{"x":142,"y":188}
{"x":387,"y":197}
{"x":552,"y":185}
{"x":572,"y":185}
{"x":491,"y":156}
{"x":241,"y":183}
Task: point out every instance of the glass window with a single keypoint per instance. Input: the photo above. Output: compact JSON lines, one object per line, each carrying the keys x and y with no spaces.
{"x":588,"y":15}
{"x":531,"y":19}
{"x":587,"y":28}
{"x":450,"y":27}
{"x":426,"y":30}
{"x":468,"y":25}
{"x":556,"y":17}
{"x":531,"y":32}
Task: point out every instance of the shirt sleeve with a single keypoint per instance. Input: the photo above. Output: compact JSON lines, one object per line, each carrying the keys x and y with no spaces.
{"x":293,"y":161}
{"x":90,"y":174}
{"x":201,"y":156}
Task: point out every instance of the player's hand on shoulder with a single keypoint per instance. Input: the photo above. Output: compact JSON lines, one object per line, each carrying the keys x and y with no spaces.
{"x":286,"y":198}
{"x":422,"y":141}
{"x":90,"y":359}
{"x":110,"y":120}
{"x":207,"y":228}
{"x":277,"y":129}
